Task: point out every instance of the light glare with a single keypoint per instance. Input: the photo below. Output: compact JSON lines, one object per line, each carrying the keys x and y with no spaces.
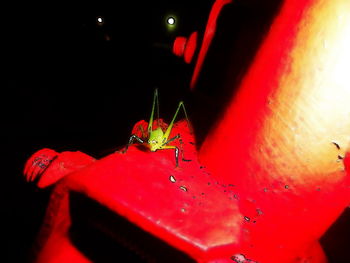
{"x":100,"y":20}
{"x":171,"y":21}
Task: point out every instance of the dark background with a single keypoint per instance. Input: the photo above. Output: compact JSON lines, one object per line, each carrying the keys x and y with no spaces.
{"x":74,"y":84}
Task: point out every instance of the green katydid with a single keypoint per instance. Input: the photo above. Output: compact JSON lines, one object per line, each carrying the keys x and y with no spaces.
{"x":159,"y":139}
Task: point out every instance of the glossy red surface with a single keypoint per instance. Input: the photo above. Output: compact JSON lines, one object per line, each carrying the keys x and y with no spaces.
{"x":283,"y":137}
{"x":207,"y":38}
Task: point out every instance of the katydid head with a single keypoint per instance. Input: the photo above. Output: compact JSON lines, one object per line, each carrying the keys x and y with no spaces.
{"x":156,"y":139}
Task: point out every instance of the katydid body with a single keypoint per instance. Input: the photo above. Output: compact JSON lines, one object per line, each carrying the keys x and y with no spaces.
{"x":159,"y":139}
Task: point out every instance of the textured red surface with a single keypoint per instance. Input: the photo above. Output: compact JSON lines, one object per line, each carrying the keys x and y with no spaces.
{"x":184,"y":206}
{"x":189,"y":208}
{"x":283,"y":137}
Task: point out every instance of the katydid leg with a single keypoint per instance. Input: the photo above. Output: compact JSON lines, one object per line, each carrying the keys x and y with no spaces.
{"x":182,"y":151}
{"x":131,"y":141}
{"x":176,"y":149}
{"x":167,"y":132}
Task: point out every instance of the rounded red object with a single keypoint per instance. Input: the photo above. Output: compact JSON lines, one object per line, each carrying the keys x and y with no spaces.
{"x":190,"y":47}
{"x":179,"y":46}
{"x":38,"y":163}
{"x":47,"y":166}
{"x":186,"y":47}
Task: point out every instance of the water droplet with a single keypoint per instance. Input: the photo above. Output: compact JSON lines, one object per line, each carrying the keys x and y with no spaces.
{"x":183,"y":188}
{"x":246,"y":218}
{"x":172,"y":178}
{"x":286,"y":186}
{"x":183,"y":210}
{"x":240,"y":258}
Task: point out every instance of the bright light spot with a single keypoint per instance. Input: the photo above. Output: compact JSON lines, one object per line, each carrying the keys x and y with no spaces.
{"x":171,"y":20}
{"x":99,"y":20}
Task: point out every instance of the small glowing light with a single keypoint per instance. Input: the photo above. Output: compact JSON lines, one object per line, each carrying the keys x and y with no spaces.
{"x":100,"y":20}
{"x":171,"y":20}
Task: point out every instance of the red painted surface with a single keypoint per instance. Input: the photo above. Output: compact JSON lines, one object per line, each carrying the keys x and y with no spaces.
{"x":275,"y":176}
{"x":283,"y":137}
{"x":53,"y":239}
{"x":179,"y":46}
{"x":47,"y":166}
{"x":190,"y":47}
{"x":186,"y":47}
{"x":207,"y":38}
